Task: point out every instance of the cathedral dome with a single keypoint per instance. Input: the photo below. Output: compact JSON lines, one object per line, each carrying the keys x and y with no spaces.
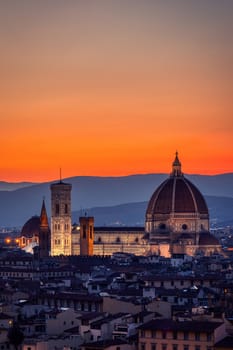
{"x":31,"y":227}
{"x":176,"y":195}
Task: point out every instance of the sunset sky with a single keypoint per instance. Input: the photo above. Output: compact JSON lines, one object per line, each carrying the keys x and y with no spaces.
{"x":113,"y":88}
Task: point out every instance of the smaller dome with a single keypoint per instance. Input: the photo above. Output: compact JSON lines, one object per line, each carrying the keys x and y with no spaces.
{"x":31,"y":227}
{"x":207,"y":239}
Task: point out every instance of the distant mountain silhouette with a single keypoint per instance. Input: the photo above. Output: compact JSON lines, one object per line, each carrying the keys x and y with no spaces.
{"x":19,"y":205}
{"x":133,"y":214}
{"x":11,"y":186}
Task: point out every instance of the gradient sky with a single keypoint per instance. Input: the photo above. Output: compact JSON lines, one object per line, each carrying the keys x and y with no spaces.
{"x":114,"y":88}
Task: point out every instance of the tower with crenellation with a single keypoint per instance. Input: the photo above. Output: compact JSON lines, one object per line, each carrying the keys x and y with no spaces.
{"x":61,"y":226}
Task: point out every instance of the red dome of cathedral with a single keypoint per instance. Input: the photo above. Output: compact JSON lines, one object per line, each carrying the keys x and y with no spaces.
{"x":31,"y":227}
{"x":176,"y":195}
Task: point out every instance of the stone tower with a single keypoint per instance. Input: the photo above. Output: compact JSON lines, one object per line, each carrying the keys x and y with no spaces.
{"x":86,"y":235}
{"x":61,"y":218}
{"x":44,"y":233}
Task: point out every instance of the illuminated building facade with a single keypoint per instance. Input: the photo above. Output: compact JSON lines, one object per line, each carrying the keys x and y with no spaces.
{"x":61,"y":218}
{"x":176,"y":222}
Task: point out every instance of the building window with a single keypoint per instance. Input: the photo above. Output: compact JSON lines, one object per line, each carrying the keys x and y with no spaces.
{"x":164,"y":335}
{"x":174,"y":335}
{"x":186,"y":335}
{"x":153,"y":334}
{"x":84,"y":231}
{"x":208,"y":337}
{"x":142,"y":333}
{"x":197,"y":336}
{"x":91,"y":231}
{"x":142,"y":346}
{"x":164,"y":346}
{"x":162,"y":226}
{"x":57,"y":209}
{"x":118,"y":240}
{"x":186,"y":347}
{"x":197,"y":347}
{"x":153,"y":346}
{"x":174,"y":347}
{"x":66,"y":209}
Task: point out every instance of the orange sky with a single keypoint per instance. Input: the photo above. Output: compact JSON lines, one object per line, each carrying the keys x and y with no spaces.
{"x":115,"y":87}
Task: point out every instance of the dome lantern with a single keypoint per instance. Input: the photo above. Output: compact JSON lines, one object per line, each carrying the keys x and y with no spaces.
{"x":176,"y":167}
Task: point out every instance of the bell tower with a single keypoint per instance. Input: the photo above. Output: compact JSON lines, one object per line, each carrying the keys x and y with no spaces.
{"x":86,"y":235}
{"x":61,"y":218}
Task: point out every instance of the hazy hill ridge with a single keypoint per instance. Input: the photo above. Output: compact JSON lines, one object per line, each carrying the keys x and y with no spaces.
{"x":16,"y":206}
{"x":11,"y":186}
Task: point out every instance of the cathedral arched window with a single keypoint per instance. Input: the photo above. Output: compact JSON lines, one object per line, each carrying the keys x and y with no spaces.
{"x":184,"y":227}
{"x":118,"y":240}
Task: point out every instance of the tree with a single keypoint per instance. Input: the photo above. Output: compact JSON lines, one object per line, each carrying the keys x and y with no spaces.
{"x":15,"y":335}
